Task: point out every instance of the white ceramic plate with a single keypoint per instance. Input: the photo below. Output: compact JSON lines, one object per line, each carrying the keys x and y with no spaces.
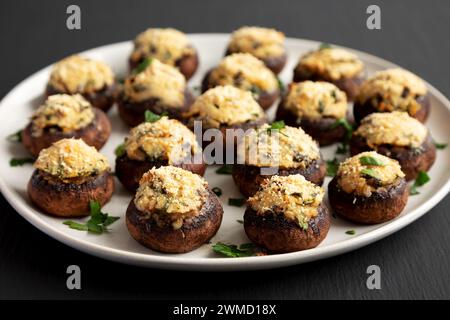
{"x":118,"y":245}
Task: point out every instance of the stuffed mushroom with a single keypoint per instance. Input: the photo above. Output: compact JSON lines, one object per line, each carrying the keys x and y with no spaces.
{"x":368,"y":188}
{"x":159,"y":88}
{"x":94,"y":80}
{"x":315,"y":107}
{"x":68,"y":175}
{"x":65,"y":116}
{"x":287,"y":214}
{"x":245,"y":72}
{"x":155,"y":144}
{"x":393,"y":90}
{"x":264,"y":43}
{"x":276,"y":150}
{"x":398,"y":136}
{"x":173,"y":211}
{"x":170,"y":46}
{"x":335,"y":65}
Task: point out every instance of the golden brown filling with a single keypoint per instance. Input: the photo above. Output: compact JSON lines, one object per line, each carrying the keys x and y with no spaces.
{"x":67,"y":112}
{"x":246,"y":72}
{"x":393,"y":128}
{"x":158,"y":81}
{"x":170,"y":195}
{"x":225,"y":105}
{"x":166,"y":139}
{"x":67,"y":159}
{"x":167,"y":45}
{"x":393,"y":90}
{"x":356,"y":175}
{"x":261,"y":42}
{"x":331,"y":63}
{"x":293,"y":196}
{"x":314,"y":100}
{"x":288,"y":147}
{"x":76,"y":74}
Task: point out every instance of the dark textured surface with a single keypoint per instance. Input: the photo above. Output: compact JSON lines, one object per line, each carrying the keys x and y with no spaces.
{"x":414,"y":261}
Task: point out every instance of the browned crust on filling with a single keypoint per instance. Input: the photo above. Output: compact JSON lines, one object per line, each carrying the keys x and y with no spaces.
{"x":95,"y":134}
{"x":102,"y":99}
{"x":193,"y":233}
{"x":381,"y":206}
{"x":249,"y":178}
{"x":349,"y":85}
{"x":360,"y":111}
{"x":319,"y":129}
{"x":129,"y":171}
{"x":275,"y":64}
{"x":280,"y":235}
{"x":69,"y":199}
{"x":133,"y":113}
{"x":411,"y":160}
{"x":265,"y":99}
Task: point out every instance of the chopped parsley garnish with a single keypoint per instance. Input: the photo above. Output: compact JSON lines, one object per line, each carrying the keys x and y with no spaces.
{"x":371,"y":161}
{"x":17,"y":162}
{"x":225,"y":169}
{"x":120,"y":150}
{"x":350,"y":232}
{"x":217,"y":191}
{"x":370,"y":173}
{"x":276,"y":127}
{"x":98,"y":222}
{"x":422,"y":178}
{"x":142,"y":66}
{"x":321,"y":106}
{"x":343,"y":147}
{"x":440,"y":146}
{"x":234,"y":251}
{"x":342,"y":122}
{"x":15,"y":137}
{"x":236,"y":202}
{"x":240,"y":221}
{"x":280,"y":85}
{"x":324,"y":45}
{"x":332,"y":167}
{"x":153,"y":117}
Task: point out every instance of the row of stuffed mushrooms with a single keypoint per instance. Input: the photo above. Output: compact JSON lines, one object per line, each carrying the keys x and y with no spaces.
{"x":161,"y":163}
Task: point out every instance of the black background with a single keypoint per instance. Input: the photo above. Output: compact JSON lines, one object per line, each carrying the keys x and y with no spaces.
{"x":415,"y":261}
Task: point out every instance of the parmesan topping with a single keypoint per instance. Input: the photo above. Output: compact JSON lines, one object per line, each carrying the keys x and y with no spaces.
{"x":314,"y":100}
{"x":171,"y":194}
{"x":260,"y":42}
{"x":246,"y":72}
{"x":394,"y":128}
{"x":393,"y":90}
{"x":71,"y":158}
{"x":331,"y":63}
{"x":286,"y":148}
{"x":76,"y":74}
{"x":352,"y":178}
{"x":225,"y":105}
{"x":165,"y":139}
{"x":293,"y":196}
{"x":167,"y":45}
{"x":158,"y":81}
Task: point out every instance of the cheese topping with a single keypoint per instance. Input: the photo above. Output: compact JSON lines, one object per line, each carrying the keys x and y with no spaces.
{"x":71,"y":158}
{"x":76,"y":74}
{"x":225,"y":105}
{"x":286,"y":148}
{"x":293,"y":196}
{"x":167,"y":45}
{"x":246,"y":72}
{"x":394,"y":128}
{"x":352,"y":176}
{"x":314,"y":100}
{"x":171,"y":194}
{"x":158,"y":81}
{"x":331,"y":63}
{"x":67,"y":112}
{"x":260,"y":42}
{"x":393,"y":90}
{"x":166,"y":139}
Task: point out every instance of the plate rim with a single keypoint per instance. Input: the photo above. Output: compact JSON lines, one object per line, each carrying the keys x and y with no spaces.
{"x":218,"y":263}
